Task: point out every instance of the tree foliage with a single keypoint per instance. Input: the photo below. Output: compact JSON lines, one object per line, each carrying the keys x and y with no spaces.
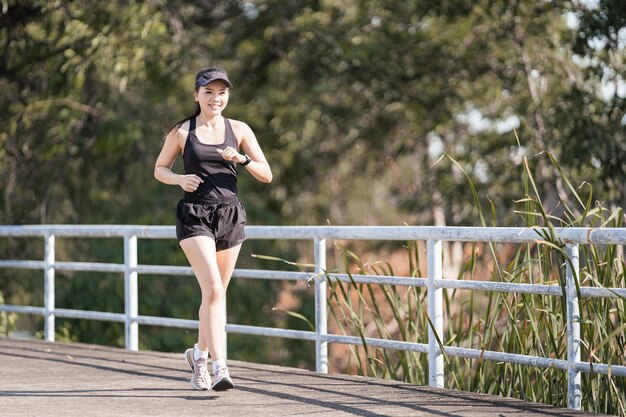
{"x":374,"y":88}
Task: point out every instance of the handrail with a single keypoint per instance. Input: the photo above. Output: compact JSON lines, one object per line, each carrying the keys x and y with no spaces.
{"x":600,"y":236}
{"x":434,"y":283}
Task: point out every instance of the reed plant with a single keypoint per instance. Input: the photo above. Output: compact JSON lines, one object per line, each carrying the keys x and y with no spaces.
{"x":506,"y":322}
{"x":7,"y":320}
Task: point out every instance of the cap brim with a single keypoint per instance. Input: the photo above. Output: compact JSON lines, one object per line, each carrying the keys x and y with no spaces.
{"x":204,"y":81}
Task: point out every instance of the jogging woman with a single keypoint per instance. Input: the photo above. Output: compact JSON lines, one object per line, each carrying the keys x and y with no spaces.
{"x":210,"y":218}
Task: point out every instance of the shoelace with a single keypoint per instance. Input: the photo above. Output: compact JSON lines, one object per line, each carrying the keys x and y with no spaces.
{"x":203,"y":371}
{"x":202,"y":368}
{"x":221,"y":373}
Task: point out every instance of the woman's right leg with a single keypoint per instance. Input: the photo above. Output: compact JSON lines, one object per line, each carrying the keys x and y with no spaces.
{"x":226,"y":260}
{"x":200,"y":252}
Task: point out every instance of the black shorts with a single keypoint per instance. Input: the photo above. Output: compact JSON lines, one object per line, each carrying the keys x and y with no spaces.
{"x":223,"y":221}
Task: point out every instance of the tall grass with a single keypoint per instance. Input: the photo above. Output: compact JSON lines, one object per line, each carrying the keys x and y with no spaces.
{"x":514,"y":323}
{"x":7,"y":320}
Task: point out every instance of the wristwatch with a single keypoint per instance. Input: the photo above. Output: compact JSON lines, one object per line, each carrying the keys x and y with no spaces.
{"x":248,"y":160}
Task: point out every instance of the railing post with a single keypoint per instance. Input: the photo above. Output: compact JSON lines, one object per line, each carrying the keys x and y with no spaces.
{"x":130,"y":293}
{"x":321,"y":320}
{"x":574,"y":394}
{"x":49,"y":292}
{"x":435,"y":313}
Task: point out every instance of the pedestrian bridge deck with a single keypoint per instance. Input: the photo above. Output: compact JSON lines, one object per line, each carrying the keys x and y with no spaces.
{"x":40,"y":378}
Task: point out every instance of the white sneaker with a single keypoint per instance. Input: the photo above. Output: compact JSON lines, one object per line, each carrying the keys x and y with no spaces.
{"x":222,"y":380}
{"x":200,"y":378}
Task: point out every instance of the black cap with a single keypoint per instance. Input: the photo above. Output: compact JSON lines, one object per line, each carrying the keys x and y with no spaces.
{"x":205,"y":78}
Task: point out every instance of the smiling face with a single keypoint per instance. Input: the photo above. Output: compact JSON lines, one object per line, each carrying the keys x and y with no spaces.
{"x":213,"y":97}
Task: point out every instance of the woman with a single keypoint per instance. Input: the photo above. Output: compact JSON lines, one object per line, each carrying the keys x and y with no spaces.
{"x":210,"y":218}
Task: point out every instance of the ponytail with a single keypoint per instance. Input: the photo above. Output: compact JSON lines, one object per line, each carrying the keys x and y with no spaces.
{"x":179,"y":123}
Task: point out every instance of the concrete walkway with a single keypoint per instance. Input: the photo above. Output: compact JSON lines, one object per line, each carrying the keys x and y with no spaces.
{"x":53,"y":379}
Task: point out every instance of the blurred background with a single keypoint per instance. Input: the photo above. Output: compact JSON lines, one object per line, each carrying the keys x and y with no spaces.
{"x":370,"y":112}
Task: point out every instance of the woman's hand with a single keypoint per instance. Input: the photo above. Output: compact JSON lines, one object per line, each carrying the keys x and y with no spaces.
{"x":231,"y":154}
{"x":189,"y":183}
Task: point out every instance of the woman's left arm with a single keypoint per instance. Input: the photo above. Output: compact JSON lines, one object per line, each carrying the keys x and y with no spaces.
{"x":258,"y":166}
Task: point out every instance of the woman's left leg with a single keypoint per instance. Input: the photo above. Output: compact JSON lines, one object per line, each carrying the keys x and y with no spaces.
{"x":226,"y":260}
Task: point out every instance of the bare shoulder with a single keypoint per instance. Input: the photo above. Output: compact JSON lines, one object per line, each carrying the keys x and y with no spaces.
{"x":239,"y":126}
{"x":179,"y":134}
{"x":183,"y":129}
{"x":242,"y":130}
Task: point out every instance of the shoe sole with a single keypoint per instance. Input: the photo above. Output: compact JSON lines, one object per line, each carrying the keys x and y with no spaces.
{"x":189,"y":360}
{"x":223,"y":385}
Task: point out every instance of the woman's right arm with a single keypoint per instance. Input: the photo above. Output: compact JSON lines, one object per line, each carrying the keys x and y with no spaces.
{"x":163,"y":166}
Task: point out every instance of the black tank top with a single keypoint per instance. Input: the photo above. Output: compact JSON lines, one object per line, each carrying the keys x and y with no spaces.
{"x":218,"y":174}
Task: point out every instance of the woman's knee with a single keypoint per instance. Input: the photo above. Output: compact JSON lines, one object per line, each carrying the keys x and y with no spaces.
{"x":213,"y":294}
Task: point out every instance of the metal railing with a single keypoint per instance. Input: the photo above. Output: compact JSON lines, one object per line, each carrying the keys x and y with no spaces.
{"x":434,"y":283}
